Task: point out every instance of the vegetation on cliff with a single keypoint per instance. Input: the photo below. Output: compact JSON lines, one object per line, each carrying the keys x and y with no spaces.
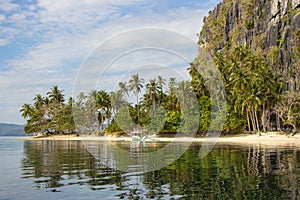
{"x":256,"y":46}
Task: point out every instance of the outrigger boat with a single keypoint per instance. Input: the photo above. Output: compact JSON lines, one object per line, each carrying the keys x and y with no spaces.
{"x":139,"y":137}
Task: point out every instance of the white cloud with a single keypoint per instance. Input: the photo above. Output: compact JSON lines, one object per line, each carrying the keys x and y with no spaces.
{"x":7,"y":34}
{"x":69,"y":46}
{"x":8,"y":6}
{"x":2,"y":18}
{"x":67,"y":31}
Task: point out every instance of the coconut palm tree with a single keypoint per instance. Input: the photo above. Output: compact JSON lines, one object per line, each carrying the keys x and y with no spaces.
{"x":152,"y":89}
{"x":26,"y":110}
{"x":171,"y":86}
{"x":123,"y":88}
{"x":184,"y":91}
{"x":39,"y":101}
{"x":135,"y":85}
{"x":89,"y":109}
{"x":56,"y":95}
{"x":80,"y":99}
{"x":46,"y":101}
{"x":116,"y":101}
{"x":161,"y":82}
{"x":103,"y":106}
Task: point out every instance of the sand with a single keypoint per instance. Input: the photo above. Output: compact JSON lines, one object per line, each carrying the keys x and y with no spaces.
{"x":273,"y":139}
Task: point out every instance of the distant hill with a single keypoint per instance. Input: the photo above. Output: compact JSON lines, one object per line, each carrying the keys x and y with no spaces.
{"x":12,"y":130}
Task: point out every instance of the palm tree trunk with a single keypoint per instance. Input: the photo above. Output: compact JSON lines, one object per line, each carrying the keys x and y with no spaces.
{"x":255,"y":112}
{"x":264,"y":117}
{"x":137,"y":106}
{"x":154,"y":107}
{"x":252,"y":121}
{"x":248,"y":120}
{"x":278,"y":122}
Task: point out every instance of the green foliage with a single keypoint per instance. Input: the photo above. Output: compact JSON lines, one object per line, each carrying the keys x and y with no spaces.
{"x":252,"y":89}
{"x":252,"y":92}
{"x":235,"y":122}
{"x":113,"y":128}
{"x":249,"y":25}
{"x":49,"y":113}
{"x":205,"y":111}
{"x":288,"y":108}
{"x":124,"y":119}
{"x":172,"y":120}
{"x":287,"y":18}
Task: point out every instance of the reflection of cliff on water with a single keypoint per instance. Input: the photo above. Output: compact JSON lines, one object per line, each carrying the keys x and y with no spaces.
{"x":233,"y":172}
{"x":227,"y":172}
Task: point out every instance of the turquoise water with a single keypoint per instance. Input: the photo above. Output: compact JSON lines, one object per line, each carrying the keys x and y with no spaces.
{"x":67,"y":170}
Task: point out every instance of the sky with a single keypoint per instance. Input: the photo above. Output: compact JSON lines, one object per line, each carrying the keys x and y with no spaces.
{"x":48,"y":42}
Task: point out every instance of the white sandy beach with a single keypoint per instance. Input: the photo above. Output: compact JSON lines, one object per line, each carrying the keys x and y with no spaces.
{"x":265,"y":138}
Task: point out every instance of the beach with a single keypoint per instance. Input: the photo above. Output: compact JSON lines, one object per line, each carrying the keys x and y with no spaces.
{"x":265,"y":138}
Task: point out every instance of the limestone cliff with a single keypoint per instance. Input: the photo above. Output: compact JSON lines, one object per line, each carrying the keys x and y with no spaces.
{"x":269,"y":27}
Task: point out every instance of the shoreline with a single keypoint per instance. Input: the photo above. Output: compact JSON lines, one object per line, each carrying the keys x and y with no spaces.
{"x":274,"y":139}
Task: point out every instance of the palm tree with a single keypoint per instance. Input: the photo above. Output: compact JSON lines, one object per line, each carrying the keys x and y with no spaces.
{"x":161,"y":82}
{"x":89,"y":108}
{"x":102,"y":99}
{"x":80,"y":99}
{"x":116,"y":101}
{"x":92,"y":96}
{"x":135,"y":85}
{"x":171,"y":85}
{"x":46,"y":101}
{"x":26,"y":110}
{"x":56,"y":95}
{"x":184,"y":90}
{"x":198,"y":82}
{"x":70,"y":102}
{"x":123,"y":88}
{"x":152,"y":90}
{"x":103,"y":105}
{"x":39,"y":101}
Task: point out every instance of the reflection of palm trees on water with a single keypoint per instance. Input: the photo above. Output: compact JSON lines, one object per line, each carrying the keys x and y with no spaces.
{"x":57,"y":164}
{"x":137,"y":146}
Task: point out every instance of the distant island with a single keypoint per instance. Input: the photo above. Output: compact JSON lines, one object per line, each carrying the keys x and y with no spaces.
{"x":11,"y":130}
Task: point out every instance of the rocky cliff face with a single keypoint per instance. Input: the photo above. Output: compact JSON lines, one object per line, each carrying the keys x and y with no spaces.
{"x":268,"y":27}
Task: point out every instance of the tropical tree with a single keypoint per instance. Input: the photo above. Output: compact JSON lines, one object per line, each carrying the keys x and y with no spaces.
{"x":188,"y":107}
{"x":103,"y":106}
{"x":80,"y":99}
{"x":288,"y":109}
{"x":39,"y":101}
{"x":116,"y":99}
{"x":26,"y":110}
{"x":171,"y":86}
{"x":92,"y":96}
{"x":90,"y":111}
{"x":46,"y":101}
{"x":197,"y":82}
{"x":123,"y":88}
{"x":184,"y":92}
{"x":135,"y":85}
{"x":152,"y":89}
{"x":56,"y":95}
{"x":161,"y":82}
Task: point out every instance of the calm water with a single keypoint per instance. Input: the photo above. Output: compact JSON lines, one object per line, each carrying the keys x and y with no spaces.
{"x":66,"y":170}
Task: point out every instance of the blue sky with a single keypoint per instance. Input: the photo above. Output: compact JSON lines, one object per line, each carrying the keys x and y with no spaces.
{"x":44,"y":42}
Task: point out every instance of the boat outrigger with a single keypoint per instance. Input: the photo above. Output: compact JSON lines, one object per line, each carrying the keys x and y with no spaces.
{"x":139,"y":137}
